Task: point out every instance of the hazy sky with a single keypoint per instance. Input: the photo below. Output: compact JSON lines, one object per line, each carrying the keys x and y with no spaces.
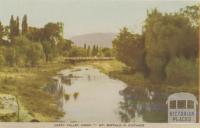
{"x":87,"y":16}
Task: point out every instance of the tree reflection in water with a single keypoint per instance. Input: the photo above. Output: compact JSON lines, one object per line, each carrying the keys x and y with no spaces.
{"x":55,"y":88}
{"x":140,"y":102}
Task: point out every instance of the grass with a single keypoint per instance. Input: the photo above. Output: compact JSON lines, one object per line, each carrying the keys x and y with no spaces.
{"x":26,"y":84}
{"x":109,"y":66}
{"x":118,"y":70}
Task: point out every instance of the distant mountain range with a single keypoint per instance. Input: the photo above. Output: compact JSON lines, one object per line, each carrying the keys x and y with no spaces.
{"x":100,"y":39}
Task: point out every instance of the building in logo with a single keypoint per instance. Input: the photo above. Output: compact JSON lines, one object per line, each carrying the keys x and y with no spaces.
{"x":182,"y":108}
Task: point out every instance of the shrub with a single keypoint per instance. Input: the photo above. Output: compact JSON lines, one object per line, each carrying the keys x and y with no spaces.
{"x":27,"y":53}
{"x":10,"y":56}
{"x":2,"y":60}
{"x":77,"y":51}
{"x":181,"y":70}
{"x":35,"y":54}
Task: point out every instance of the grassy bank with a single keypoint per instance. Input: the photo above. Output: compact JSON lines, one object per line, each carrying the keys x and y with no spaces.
{"x":119,"y":71}
{"x":26,"y":84}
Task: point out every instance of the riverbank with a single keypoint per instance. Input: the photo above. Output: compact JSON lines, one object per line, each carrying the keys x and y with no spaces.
{"x":26,"y":84}
{"x":119,"y":71}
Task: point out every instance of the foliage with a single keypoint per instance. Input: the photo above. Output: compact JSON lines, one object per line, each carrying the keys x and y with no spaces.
{"x":161,"y":31}
{"x":35,"y":54}
{"x":88,"y":51}
{"x":78,"y":51}
{"x":181,"y":70}
{"x":35,"y":34}
{"x":2,"y":60}
{"x":49,"y":49}
{"x":24,"y":25}
{"x":193,"y":13}
{"x":22,"y":53}
{"x":10,"y":56}
{"x":165,"y":36}
{"x":1,"y":31}
{"x":52,"y":30}
{"x":107,"y":52}
{"x":14,"y":27}
{"x":129,"y":48}
{"x":95,"y":50}
{"x":64,"y":47}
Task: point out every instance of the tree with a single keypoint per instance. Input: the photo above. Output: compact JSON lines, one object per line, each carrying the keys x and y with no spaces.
{"x":97,"y":50}
{"x":88,"y":51}
{"x":107,"y":52}
{"x":49,"y":50}
{"x":17,"y":26}
{"x":182,"y":71}
{"x":52,"y":30}
{"x":36,"y":34}
{"x":85,"y":46}
{"x":78,"y":52}
{"x":24,"y":25}
{"x":10,"y":56}
{"x":12,"y":27}
{"x":64,"y":47}
{"x":1,"y":31}
{"x":193,"y":13}
{"x":129,"y":48}
{"x":93,"y":50}
{"x":35,"y":54}
{"x":166,"y":37}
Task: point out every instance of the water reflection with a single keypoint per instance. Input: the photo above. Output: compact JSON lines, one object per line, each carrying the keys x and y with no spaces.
{"x":142,"y":105}
{"x":76,"y":94}
{"x":85,"y":94}
{"x":55,"y":88}
{"x":66,"y":80}
{"x":95,"y":96}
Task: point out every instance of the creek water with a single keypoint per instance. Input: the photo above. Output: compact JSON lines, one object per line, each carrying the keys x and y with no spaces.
{"x":87,"y":95}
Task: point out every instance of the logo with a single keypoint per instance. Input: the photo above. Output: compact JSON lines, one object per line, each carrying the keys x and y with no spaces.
{"x":182,"y":108}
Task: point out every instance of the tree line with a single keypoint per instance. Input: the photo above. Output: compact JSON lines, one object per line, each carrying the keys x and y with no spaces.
{"x":167,"y":48}
{"x":29,"y":46}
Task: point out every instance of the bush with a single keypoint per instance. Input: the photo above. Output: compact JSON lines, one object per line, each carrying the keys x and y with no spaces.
{"x":35,"y":54}
{"x":28,"y":53}
{"x":181,"y":70}
{"x":77,"y":52}
{"x":50,"y":50}
{"x":10,"y":56}
{"x":2,"y":60}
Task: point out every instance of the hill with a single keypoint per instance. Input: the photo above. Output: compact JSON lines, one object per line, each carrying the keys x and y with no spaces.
{"x":100,"y":39}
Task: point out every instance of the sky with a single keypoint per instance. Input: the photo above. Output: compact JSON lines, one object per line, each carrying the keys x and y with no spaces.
{"x":88,"y":16}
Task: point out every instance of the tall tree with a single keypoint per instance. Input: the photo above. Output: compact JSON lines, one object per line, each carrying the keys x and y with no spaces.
{"x":93,"y":50}
{"x":88,"y":51}
{"x":12,"y":27}
{"x":24,"y":25}
{"x":97,"y":50}
{"x":1,"y":31}
{"x":85,"y":46}
{"x":17,"y":26}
